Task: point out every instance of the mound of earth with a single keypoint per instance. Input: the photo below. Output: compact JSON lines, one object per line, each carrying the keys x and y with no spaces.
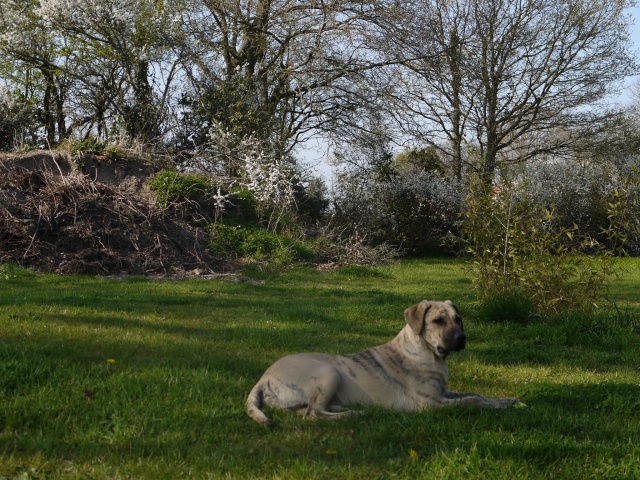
{"x":81,"y":214}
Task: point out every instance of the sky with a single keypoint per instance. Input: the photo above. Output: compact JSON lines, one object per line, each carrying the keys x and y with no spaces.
{"x":635,"y":39}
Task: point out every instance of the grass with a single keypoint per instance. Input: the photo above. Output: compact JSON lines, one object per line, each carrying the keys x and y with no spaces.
{"x":133,"y":378}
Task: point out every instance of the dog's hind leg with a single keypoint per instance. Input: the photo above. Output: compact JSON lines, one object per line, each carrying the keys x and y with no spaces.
{"x":324,"y":388}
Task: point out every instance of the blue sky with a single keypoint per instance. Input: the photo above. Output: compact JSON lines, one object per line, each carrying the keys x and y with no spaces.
{"x":635,"y":38}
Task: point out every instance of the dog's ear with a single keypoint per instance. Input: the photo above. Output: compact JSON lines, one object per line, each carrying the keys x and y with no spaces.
{"x":415,"y":316}
{"x":452,"y":305}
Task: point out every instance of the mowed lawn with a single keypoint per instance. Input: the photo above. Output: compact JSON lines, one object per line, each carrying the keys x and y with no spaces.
{"x":135,"y":378}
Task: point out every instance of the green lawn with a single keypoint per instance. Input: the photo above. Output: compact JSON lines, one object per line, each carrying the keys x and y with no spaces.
{"x":133,"y":378}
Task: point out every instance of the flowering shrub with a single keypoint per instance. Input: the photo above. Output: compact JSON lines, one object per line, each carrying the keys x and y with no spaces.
{"x":412,"y":210}
{"x":579,"y":191}
{"x":256,"y":192}
{"x":246,"y":165}
{"x":623,"y":211}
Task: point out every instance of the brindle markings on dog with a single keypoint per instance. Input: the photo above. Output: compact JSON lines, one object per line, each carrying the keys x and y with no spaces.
{"x":408,"y":373}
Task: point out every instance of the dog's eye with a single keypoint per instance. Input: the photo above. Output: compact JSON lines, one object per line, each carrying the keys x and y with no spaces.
{"x":439,"y":321}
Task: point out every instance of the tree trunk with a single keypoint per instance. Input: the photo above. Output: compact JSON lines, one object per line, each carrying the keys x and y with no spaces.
{"x":456,"y":116}
{"x":48,"y":118}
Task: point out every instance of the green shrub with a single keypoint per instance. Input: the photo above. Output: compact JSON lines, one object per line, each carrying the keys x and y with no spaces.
{"x":88,"y":145}
{"x":257,"y":244}
{"x":171,"y":186}
{"x":519,"y":245}
{"x":509,"y":306}
{"x":244,"y":206}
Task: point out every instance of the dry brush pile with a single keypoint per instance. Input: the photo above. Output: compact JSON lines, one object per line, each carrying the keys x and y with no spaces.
{"x":83,"y":215}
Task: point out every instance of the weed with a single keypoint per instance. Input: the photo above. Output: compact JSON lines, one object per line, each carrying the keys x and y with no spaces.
{"x":362,"y":272}
{"x":88,"y":145}
{"x":508,"y":306}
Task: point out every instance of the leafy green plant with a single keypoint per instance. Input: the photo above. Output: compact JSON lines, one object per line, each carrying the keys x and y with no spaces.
{"x":518,"y":245}
{"x":88,"y":145}
{"x":257,"y":244}
{"x":171,"y":186}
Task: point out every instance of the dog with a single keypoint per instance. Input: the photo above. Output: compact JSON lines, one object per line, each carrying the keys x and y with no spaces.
{"x":408,"y":373}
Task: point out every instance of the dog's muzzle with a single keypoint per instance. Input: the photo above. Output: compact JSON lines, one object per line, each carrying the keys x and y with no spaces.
{"x":459,"y":342}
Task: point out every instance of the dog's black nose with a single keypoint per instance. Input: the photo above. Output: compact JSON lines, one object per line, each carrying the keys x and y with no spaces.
{"x":460,"y":342}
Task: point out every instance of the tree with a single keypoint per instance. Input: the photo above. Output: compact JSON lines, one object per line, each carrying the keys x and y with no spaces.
{"x":17,"y":125}
{"x":280,"y":70}
{"x":492,"y":77}
{"x":35,"y":66}
{"x":116,"y":47}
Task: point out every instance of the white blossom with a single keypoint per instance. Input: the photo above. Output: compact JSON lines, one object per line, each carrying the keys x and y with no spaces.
{"x":112,"y":22}
{"x":19,"y":28}
{"x":267,"y":179}
{"x":87,"y":12}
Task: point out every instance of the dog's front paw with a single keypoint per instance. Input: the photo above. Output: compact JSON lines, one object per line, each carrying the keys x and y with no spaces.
{"x":508,"y":402}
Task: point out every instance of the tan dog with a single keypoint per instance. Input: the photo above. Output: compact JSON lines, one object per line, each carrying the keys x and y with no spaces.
{"x":408,"y":373}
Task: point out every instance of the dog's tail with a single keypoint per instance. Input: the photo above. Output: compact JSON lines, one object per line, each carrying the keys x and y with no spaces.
{"x":254,"y":402}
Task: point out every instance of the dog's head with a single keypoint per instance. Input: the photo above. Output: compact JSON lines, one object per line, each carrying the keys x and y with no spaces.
{"x":439,"y":324}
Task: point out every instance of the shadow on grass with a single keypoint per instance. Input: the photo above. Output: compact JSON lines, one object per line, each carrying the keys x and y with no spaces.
{"x":280,"y":319}
{"x":558,"y":421}
{"x":595,"y":343}
{"x":185,"y":299}
{"x":558,"y":427}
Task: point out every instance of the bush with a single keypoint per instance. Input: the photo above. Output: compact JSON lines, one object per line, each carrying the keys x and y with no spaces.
{"x":171,"y":186}
{"x":581,"y":190}
{"x":413,"y":210}
{"x":623,"y":231}
{"x":519,"y":245}
{"x":255,"y":244}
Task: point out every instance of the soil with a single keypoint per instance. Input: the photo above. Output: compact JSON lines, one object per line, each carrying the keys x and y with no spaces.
{"x":83,"y":214}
